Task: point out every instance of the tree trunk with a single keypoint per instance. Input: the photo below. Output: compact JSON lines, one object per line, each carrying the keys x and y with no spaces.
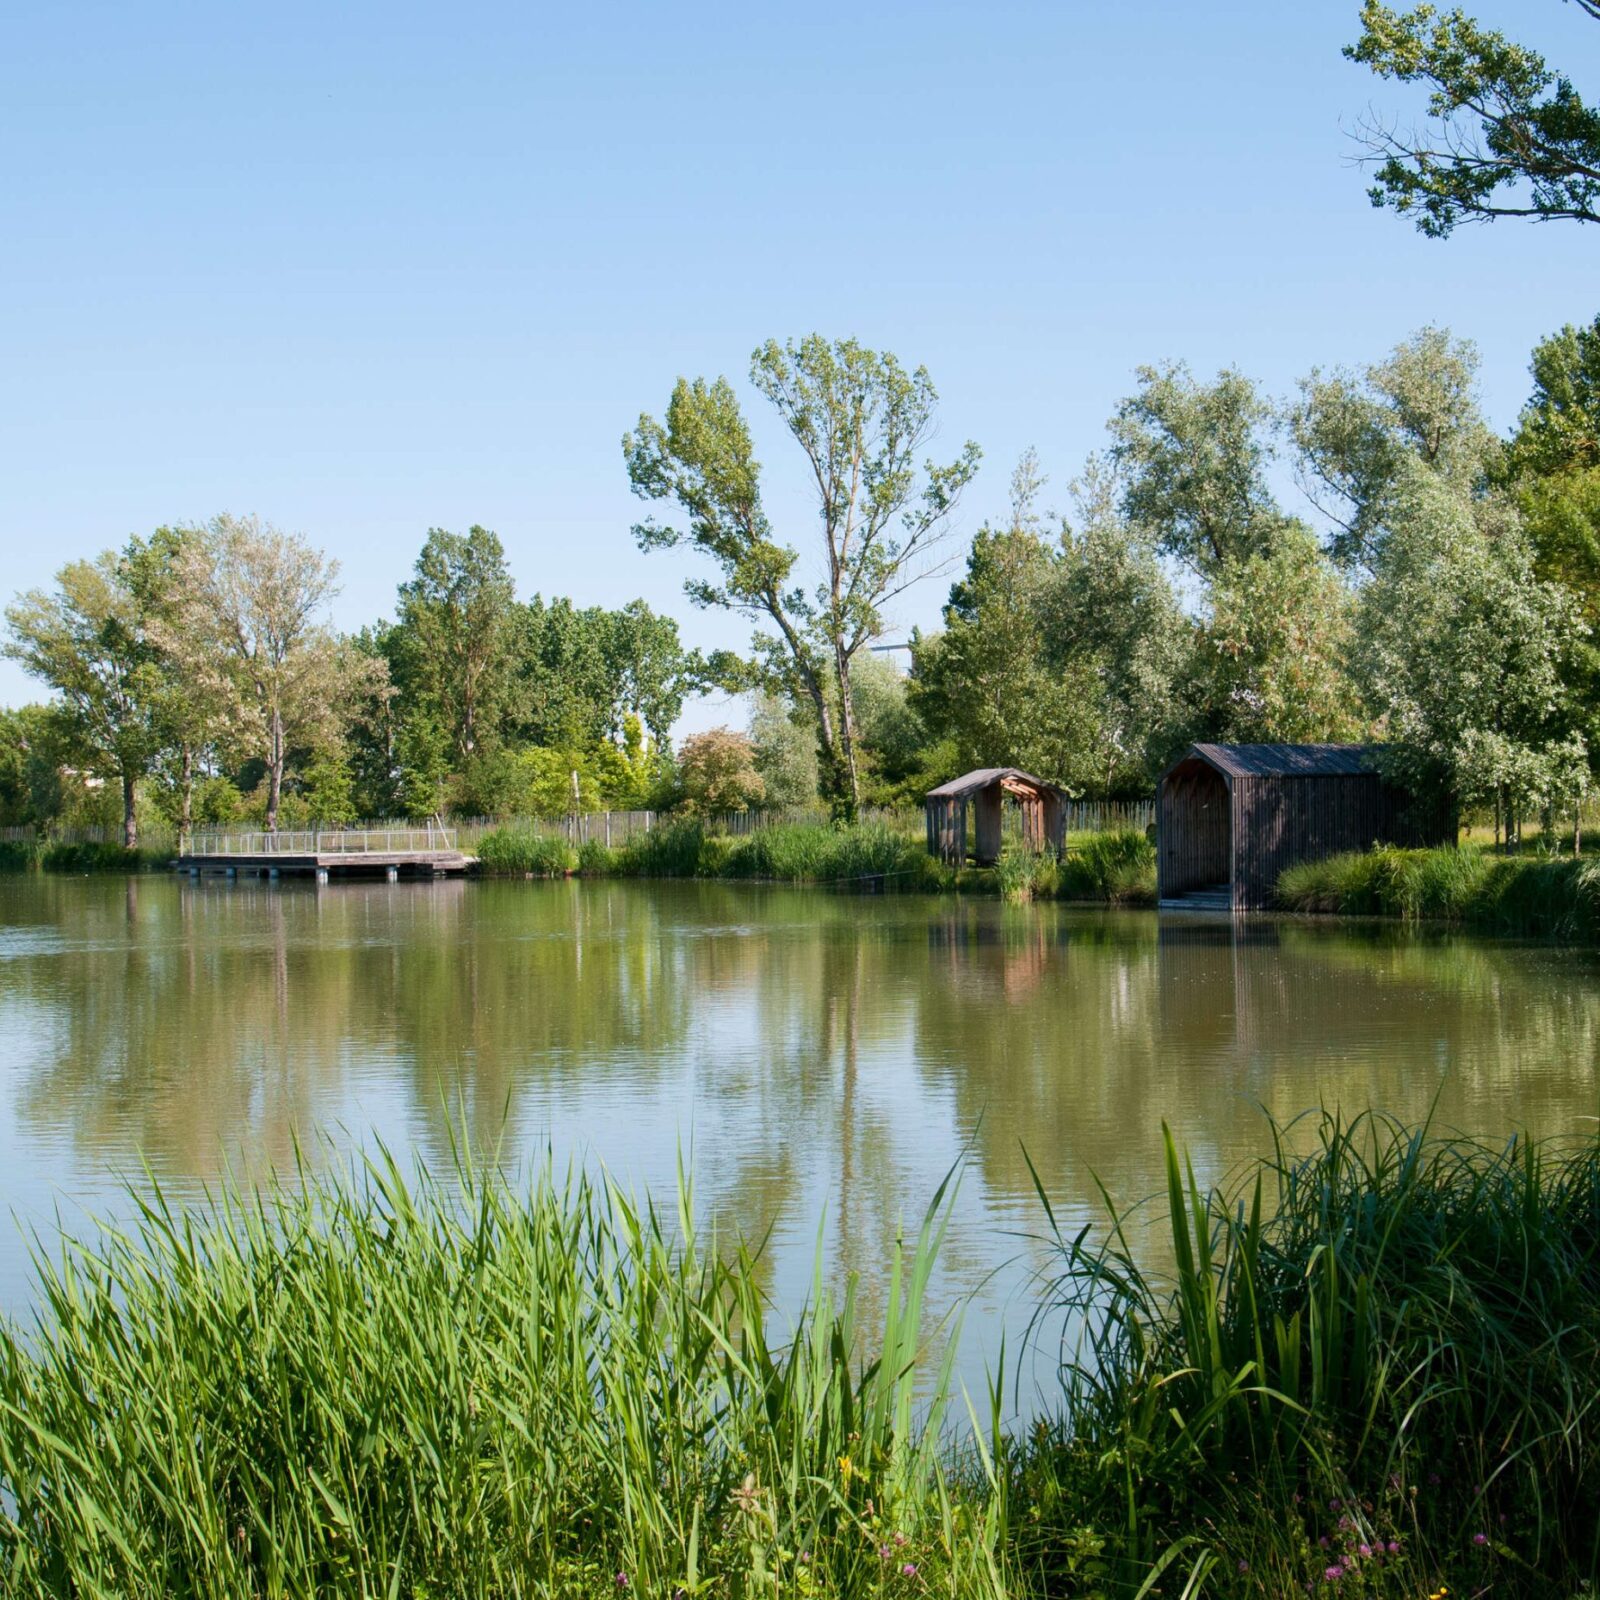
{"x":130,"y":816}
{"x":274,"y":773}
{"x":185,"y":797}
{"x":847,"y":735}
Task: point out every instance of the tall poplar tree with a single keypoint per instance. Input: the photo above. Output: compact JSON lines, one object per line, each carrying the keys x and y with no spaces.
{"x":862,"y":423}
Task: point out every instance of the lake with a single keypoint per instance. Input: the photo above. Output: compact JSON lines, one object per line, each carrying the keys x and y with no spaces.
{"x":823,"y":1060}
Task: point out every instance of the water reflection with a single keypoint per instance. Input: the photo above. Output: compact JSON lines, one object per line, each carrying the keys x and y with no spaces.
{"x":826,"y":1058}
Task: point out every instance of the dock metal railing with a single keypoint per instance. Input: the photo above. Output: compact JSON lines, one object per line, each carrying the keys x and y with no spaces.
{"x":324,"y":842}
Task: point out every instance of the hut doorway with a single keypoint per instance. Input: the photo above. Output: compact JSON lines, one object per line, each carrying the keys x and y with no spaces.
{"x":1195,"y":827}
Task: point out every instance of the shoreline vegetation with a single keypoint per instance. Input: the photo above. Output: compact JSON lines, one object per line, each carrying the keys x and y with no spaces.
{"x":1368,"y":1370}
{"x":1539,"y":895}
{"x":1530,"y":895}
{"x":1113,"y":868}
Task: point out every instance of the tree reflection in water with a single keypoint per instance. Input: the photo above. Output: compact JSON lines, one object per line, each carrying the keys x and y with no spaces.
{"x":821,"y":1056}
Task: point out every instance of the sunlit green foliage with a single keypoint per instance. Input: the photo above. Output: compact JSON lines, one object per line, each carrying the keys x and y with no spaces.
{"x":1549,"y":897}
{"x":1509,"y":136}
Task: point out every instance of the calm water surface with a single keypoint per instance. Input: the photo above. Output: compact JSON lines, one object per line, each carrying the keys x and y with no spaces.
{"x":826,"y":1059}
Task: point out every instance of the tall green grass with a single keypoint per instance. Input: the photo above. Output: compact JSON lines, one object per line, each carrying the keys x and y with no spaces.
{"x":1549,"y":896}
{"x":364,"y":1386}
{"x":1376,"y":1365}
{"x":19,"y":855}
{"x":820,"y":854}
{"x":97,"y":857}
{"x":668,"y":850}
{"x":519,"y":852}
{"x":1118,"y":868}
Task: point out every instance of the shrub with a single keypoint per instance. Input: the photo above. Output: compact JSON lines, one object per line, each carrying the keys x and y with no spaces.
{"x":516,"y":852}
{"x":596,"y":859}
{"x":1117,"y":868}
{"x":91,"y":857}
{"x":668,"y":850}
{"x":717,"y":772}
{"x":19,"y":855}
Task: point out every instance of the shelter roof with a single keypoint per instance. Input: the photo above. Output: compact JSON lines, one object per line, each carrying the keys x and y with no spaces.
{"x":1285,"y":760}
{"x":982,"y":777}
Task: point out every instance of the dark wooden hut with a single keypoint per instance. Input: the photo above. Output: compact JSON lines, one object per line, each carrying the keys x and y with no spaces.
{"x":1231,"y":817}
{"x":985,"y":793}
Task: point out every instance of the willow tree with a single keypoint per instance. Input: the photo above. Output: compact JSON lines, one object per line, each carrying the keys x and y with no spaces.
{"x":249,"y":621}
{"x":862,"y":423}
{"x":1192,"y":460}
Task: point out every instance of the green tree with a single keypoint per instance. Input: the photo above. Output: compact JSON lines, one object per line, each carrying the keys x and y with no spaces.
{"x":717,"y":772}
{"x":567,"y":675}
{"x":987,"y":680}
{"x":459,"y":608}
{"x":1270,"y":659}
{"x":1460,"y":657}
{"x":785,"y":744}
{"x":1559,"y":429}
{"x":30,"y":780}
{"x":249,"y":624}
{"x":1111,"y":611}
{"x":188,"y":707}
{"x":88,"y":642}
{"x":1552,"y":465}
{"x":862,"y":423}
{"x":327,"y":788}
{"x":1507,"y":136}
{"x":1192,"y":459}
{"x":1357,"y":436}
{"x":649,"y":671}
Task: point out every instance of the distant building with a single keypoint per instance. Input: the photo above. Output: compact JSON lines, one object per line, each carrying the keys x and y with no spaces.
{"x":1231,"y":817}
{"x":984,"y":794}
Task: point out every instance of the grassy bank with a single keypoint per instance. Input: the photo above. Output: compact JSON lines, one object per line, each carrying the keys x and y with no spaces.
{"x":1115,"y":868}
{"x":1374,"y":1368}
{"x":1543,"y":896}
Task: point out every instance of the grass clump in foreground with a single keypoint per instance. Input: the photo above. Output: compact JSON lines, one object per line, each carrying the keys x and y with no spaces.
{"x":1374,"y":1367}
{"x":1550,"y":896}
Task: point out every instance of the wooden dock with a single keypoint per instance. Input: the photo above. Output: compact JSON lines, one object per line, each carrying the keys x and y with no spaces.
{"x":326,"y":853}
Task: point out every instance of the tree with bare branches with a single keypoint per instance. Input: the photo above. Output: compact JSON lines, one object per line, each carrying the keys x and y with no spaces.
{"x":1507,"y":135}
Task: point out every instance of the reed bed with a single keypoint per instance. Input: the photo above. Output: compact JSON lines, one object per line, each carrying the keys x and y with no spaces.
{"x":515,"y":852}
{"x":362,"y":1385}
{"x":1371,"y":1369}
{"x":1545,"y":896}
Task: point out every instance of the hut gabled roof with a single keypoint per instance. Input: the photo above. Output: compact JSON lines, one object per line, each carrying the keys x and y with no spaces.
{"x":1283,"y":760}
{"x":971,"y":782}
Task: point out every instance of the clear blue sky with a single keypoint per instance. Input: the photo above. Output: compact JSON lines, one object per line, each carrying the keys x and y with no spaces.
{"x":363,"y":269}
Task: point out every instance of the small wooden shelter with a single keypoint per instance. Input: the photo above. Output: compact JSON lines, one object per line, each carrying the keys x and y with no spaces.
{"x":1231,"y":817}
{"x":985,"y":792}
